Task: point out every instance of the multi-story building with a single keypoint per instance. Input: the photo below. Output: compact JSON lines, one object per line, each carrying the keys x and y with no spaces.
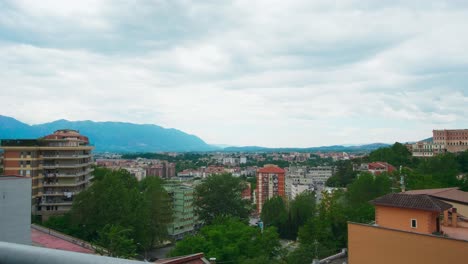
{"x":59,"y":165}
{"x":427,"y":149}
{"x":376,"y":168}
{"x":304,"y":178}
{"x":270,"y":183}
{"x":454,"y":140}
{"x":185,"y":220}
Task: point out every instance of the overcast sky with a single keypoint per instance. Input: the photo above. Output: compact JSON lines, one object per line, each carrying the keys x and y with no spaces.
{"x":269,"y":73}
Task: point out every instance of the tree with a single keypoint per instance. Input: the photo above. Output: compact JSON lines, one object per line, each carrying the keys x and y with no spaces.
{"x":344,"y":174}
{"x":117,"y":242}
{"x":220,"y":196}
{"x":301,"y":209}
{"x":231,"y":240}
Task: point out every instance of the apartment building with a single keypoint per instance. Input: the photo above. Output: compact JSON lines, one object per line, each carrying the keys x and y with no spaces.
{"x":454,"y":140}
{"x":185,"y":220}
{"x":303,"y":178}
{"x":59,"y":165}
{"x":270,"y":183}
{"x":427,"y":149}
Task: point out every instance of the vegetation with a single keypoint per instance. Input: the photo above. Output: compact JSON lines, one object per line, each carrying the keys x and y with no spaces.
{"x":344,"y":175}
{"x":230,"y":240}
{"x":287,"y":218}
{"x":117,"y":211}
{"x":220,"y":196}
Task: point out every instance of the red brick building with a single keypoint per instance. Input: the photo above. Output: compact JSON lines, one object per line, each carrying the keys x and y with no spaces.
{"x":454,"y":140}
{"x":270,"y":183}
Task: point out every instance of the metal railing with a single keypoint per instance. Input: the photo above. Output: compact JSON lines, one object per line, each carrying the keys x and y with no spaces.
{"x":24,"y":254}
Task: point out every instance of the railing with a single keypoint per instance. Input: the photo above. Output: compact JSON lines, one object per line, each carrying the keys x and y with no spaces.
{"x":59,"y":156}
{"x":17,"y":253}
{"x":75,"y":165}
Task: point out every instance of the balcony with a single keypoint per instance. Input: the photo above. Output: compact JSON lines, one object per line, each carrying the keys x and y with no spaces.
{"x":58,"y":202}
{"x":66,"y":166}
{"x":69,"y":175}
{"x":60,"y":184}
{"x":66,"y":156}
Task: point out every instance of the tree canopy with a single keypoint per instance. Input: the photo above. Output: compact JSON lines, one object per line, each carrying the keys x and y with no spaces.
{"x":219,"y":195}
{"x":117,"y":209}
{"x":230,"y":240}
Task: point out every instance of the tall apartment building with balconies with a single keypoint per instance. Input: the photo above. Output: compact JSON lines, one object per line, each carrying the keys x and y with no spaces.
{"x":59,"y":165}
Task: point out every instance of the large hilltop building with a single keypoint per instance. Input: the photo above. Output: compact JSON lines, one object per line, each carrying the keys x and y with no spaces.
{"x":454,"y":140}
{"x":59,"y":165}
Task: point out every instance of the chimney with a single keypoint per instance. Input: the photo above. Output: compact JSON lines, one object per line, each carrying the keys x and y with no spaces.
{"x":454,"y":217}
{"x":446,"y":219}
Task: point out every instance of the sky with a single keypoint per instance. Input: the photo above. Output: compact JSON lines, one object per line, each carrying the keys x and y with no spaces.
{"x":268,"y":73}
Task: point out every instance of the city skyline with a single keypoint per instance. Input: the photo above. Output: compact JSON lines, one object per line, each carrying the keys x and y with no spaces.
{"x":284,"y":74}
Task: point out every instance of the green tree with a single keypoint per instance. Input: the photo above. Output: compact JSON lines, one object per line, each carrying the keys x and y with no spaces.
{"x":274,"y":213}
{"x":344,"y":174}
{"x":301,"y":209}
{"x":117,"y":242}
{"x":232,"y":241}
{"x":220,"y":196}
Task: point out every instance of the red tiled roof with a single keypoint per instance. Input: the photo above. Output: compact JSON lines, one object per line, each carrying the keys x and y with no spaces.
{"x":451,"y":194}
{"x":412,"y":201}
{"x":271,"y":169}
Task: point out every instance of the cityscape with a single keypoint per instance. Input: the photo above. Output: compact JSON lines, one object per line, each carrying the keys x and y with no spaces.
{"x":233,"y":132}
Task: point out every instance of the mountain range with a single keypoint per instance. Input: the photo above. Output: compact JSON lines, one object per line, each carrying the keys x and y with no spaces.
{"x":110,"y":136}
{"x":129,"y":137}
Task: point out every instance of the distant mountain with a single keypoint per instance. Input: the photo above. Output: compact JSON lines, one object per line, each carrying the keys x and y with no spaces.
{"x":111,"y":136}
{"x":335,"y":148}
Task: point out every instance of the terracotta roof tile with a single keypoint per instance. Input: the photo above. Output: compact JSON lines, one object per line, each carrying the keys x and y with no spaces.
{"x":451,"y":194}
{"x":412,"y":201}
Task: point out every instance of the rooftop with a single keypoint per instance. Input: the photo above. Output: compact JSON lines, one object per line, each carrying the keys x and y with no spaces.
{"x":271,"y":169}
{"x":449,"y":194}
{"x":412,"y":201}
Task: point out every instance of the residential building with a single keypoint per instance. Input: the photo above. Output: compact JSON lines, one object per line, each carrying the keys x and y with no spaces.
{"x":427,"y":149}
{"x":409,"y":228}
{"x":243,"y":160}
{"x":376,"y":168}
{"x":185,"y":220}
{"x":138,"y":173}
{"x":270,"y":183}
{"x":298,"y":177}
{"x":454,"y":140}
{"x":15,"y":209}
{"x":453,"y":196}
{"x":247,"y":192}
{"x":59,"y":165}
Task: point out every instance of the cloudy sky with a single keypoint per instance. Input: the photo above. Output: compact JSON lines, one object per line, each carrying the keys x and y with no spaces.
{"x":270,"y":73}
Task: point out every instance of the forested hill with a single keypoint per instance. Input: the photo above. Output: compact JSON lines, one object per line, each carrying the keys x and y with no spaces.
{"x":110,"y":136}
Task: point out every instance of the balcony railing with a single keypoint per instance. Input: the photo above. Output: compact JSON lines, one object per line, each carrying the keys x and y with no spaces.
{"x":64,"y":156}
{"x":69,"y":175}
{"x":68,"y":184}
{"x":17,"y":253}
{"x":75,"y":165}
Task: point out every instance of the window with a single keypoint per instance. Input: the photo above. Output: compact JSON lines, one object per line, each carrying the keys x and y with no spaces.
{"x":414,"y":223}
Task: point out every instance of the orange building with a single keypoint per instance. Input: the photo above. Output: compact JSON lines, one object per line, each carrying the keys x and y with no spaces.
{"x":413,"y":213}
{"x":270,"y":183}
{"x":60,"y":165}
{"x":408,"y":229}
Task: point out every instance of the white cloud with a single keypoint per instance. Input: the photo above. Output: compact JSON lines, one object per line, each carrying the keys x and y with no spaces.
{"x":297,"y":73}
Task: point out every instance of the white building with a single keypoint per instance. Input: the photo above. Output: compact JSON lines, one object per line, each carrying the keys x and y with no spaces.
{"x":427,"y":149}
{"x":313,"y":177}
{"x":139,"y":173}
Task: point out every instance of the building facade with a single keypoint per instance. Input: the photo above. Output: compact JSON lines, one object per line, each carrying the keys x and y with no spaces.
{"x":185,"y":220}
{"x":270,"y":183}
{"x":59,"y":165}
{"x":15,"y":209}
{"x":454,"y":140}
{"x":427,"y":149}
{"x":303,"y":178}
